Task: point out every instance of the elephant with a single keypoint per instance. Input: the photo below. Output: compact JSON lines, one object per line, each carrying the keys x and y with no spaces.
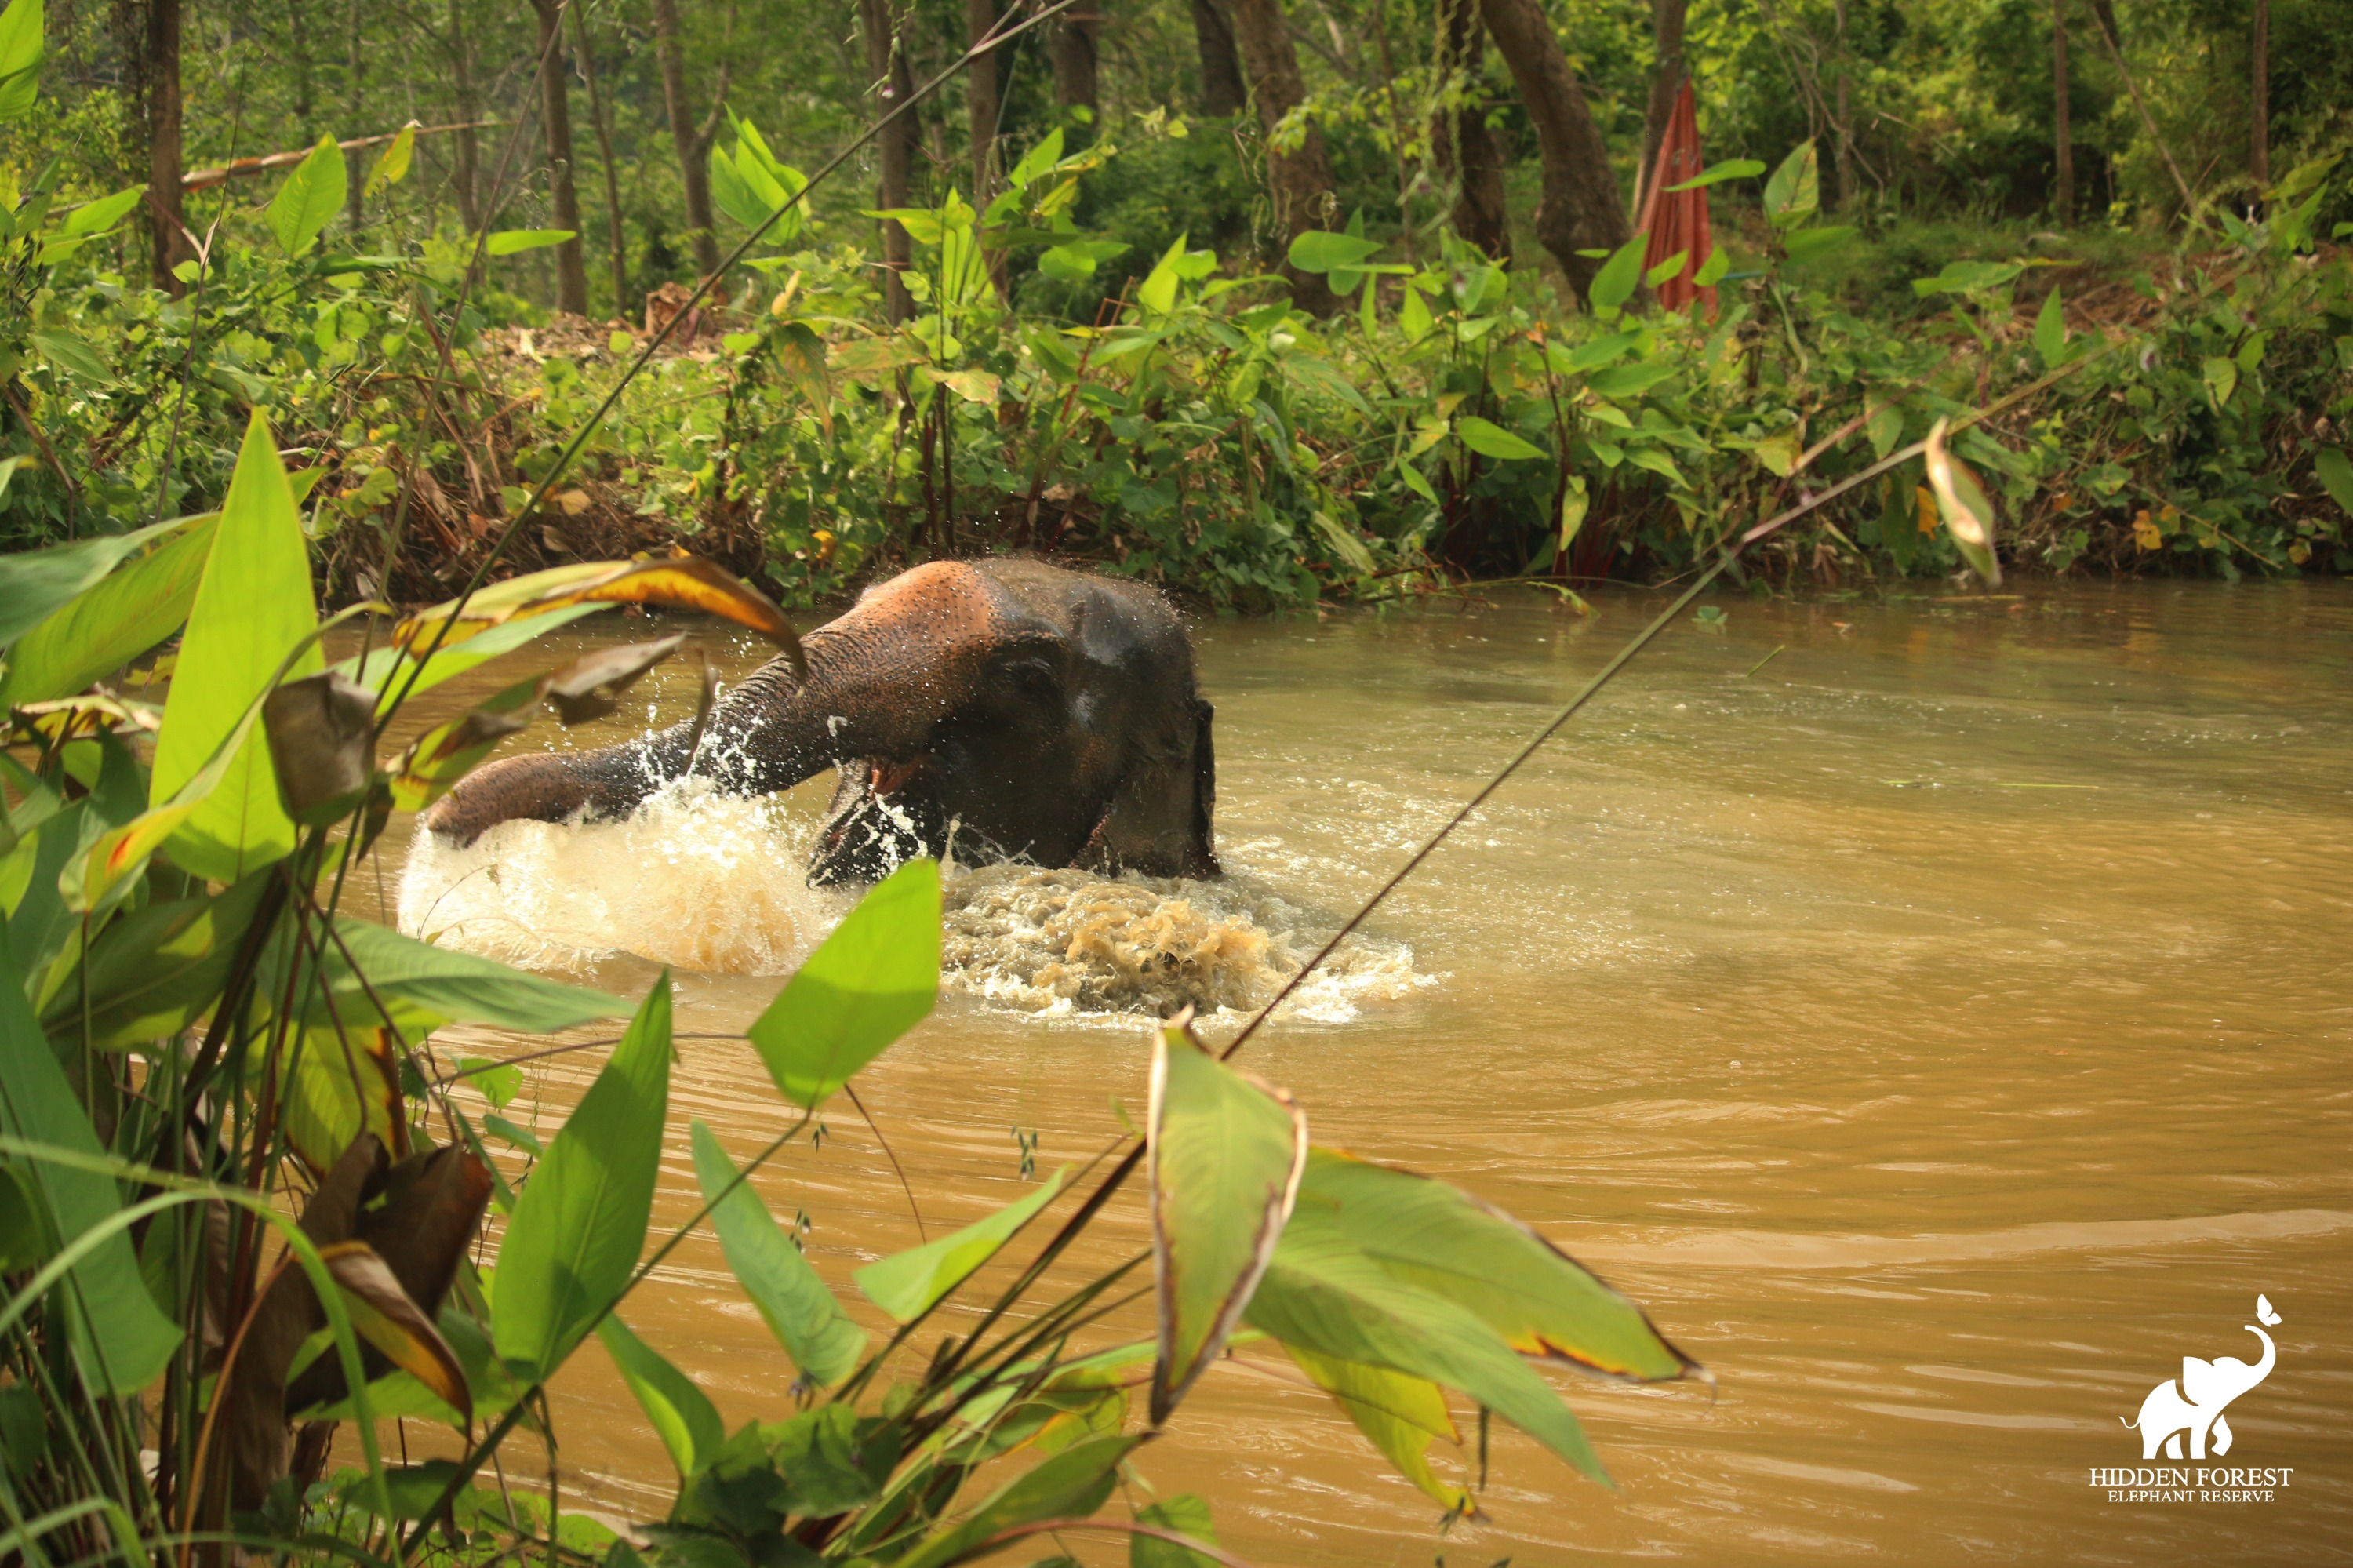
{"x":1005,"y":709}
{"x":2195,"y":1405}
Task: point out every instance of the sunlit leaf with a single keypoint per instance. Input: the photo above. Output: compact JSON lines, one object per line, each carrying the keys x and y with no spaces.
{"x":1716,"y":174}
{"x":425,"y":985}
{"x":1157,"y":293}
{"x":1795,"y":192}
{"x":876,"y":977}
{"x":682,"y":1415}
{"x":2334,"y":472}
{"x":443,"y":755}
{"x":156,"y":969}
{"x":1615,"y":282}
{"x":36,"y":584}
{"x":105,"y":625}
{"x":1225,"y":1156}
{"x":391,"y":165}
{"x":1317,"y":250}
{"x":793,"y":1301}
{"x":337,"y":1084}
{"x":309,"y":200}
{"x":1071,"y":1485}
{"x":686,"y":582}
{"x":907,"y":1284}
{"x":1399,"y":1414}
{"x":1967,"y":513}
{"x":1671,"y":268}
{"x":21,"y":38}
{"x":2050,"y":331}
{"x":252,"y":607}
{"x":515,"y":241}
{"x":1184,"y":1514}
{"x":385,"y":1316}
{"x":580,"y":1222}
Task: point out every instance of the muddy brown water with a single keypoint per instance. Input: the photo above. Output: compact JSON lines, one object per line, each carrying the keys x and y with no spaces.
{"x":1942,"y":1029}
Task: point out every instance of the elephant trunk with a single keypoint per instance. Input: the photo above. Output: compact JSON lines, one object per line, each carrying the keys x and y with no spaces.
{"x":763,"y":738}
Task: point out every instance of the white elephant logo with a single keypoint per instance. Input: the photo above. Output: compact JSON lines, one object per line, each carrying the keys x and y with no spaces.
{"x":2194,"y":1403}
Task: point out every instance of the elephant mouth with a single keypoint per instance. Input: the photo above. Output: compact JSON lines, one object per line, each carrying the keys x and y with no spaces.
{"x":881,"y":827}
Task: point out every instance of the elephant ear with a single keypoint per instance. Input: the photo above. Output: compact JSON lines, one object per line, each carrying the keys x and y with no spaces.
{"x":2202,"y":1382}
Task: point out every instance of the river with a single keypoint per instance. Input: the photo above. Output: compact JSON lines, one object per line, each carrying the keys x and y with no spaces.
{"x":1934,"y":1009}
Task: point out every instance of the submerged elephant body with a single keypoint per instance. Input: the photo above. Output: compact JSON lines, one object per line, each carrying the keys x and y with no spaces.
{"x":1026,"y":712}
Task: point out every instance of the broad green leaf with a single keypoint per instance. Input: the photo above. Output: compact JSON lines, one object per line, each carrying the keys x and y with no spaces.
{"x":1586,"y":356}
{"x":385,"y":670}
{"x":71,"y":353}
{"x":120,"y":1341}
{"x":1399,"y":1414}
{"x":1658,"y":463}
{"x":1225,"y":1154}
{"x":1619,"y":276}
{"x":21,"y":39}
{"x":515,"y":241}
{"x":2050,"y":331}
{"x":1071,"y":1485}
{"x":1491,"y":440}
{"x":1413,"y":315}
{"x":793,"y":1301}
{"x":2334,"y":472}
{"x":2221,"y":379}
{"x":1325,"y":1293}
{"x":426,"y":985}
{"x":309,"y":199}
{"x":580,"y":1222}
{"x":36,"y":584}
{"x":155,"y":971}
{"x":252,"y":607}
{"x":1968,"y":277}
{"x":97,"y":216}
{"x":682,"y":1415}
{"x":336,"y":1085}
{"x":1712,"y":269}
{"x":1318,"y":251}
{"x":1795,"y":192}
{"x":109,"y":624}
{"x":1671,"y":268}
{"x":1157,"y":293}
{"x":1630,"y":380}
{"x":876,"y":977}
{"x":1808,"y":244}
{"x":1436,"y":1237}
{"x":1716,"y":174}
{"x":391,"y":165}
{"x":1886,"y":428}
{"x":907,"y":1284}
{"x":1184,"y":1514}
{"x":1967,"y":513}
{"x":1044,"y":155}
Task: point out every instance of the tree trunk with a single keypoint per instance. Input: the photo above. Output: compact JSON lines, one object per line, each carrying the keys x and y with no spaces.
{"x":896,"y":147}
{"x":616,"y":241}
{"x":2258,"y":160}
{"x":1461,"y":145}
{"x":693,"y":156}
{"x":1300,"y":179}
{"x":984,"y":107}
{"x":2063,"y":138}
{"x":555,"y":125}
{"x":1847,"y":183}
{"x":1666,"y":82}
{"x":1073,"y":45}
{"x":1222,"y":91}
{"x":1582,"y":208}
{"x":355,"y":162}
{"x":468,"y":155}
{"x":161,"y":70}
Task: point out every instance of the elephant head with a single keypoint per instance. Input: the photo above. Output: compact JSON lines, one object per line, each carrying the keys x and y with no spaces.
{"x":1014,"y":708}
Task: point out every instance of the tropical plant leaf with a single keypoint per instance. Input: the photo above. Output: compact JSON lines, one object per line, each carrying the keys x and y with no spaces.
{"x":154,"y":970}
{"x":906,"y":1285}
{"x":580,"y":1222}
{"x":391,"y":165}
{"x":515,"y":241}
{"x":1436,"y":1237}
{"x":1615,"y":282}
{"x":35,"y":584}
{"x":425,"y":986}
{"x":335,"y":1086}
{"x":2050,"y":332}
{"x":1794,"y":194}
{"x":1184,"y":1514}
{"x":793,"y":1301}
{"x":120,"y":1341}
{"x":2334,"y":472}
{"x":1489,"y":439}
{"x":1157,"y":293}
{"x":1811,"y":244}
{"x":251,"y":608}
{"x":309,"y":200}
{"x":108,"y":623}
{"x":1318,"y":251}
{"x":1225,"y":1156}
{"x":443,"y":755}
{"x":1716,"y":174}
{"x":1398,"y":1412}
{"x":686,"y":582}
{"x":876,"y":977}
{"x":683,"y":1417}
{"x":384,"y":1317}
{"x":385,"y":670}
{"x":1071,"y":1485}
{"x":1962,"y":500}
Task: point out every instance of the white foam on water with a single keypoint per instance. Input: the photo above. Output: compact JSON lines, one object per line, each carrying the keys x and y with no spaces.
{"x":1075,"y":944}
{"x":701,"y":881}
{"x":715,"y":884}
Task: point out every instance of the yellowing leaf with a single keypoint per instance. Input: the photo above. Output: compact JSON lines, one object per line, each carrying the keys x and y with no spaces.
{"x":688,"y":582}
{"x":1968,"y":511}
{"x":1400,"y":1413}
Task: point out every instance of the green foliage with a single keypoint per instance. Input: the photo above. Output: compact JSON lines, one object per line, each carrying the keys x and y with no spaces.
{"x":792,"y":1300}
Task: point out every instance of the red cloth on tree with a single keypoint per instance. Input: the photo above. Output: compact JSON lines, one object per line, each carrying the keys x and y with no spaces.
{"x":1677,"y":221}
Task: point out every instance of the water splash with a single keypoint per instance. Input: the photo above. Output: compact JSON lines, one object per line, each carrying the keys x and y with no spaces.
{"x":715,"y":884}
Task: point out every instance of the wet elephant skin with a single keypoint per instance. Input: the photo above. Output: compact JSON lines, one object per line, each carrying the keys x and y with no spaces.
{"x":1028,"y":712}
